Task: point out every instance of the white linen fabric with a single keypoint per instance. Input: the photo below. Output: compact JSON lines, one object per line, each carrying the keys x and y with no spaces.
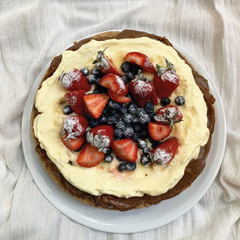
{"x":32,"y":32}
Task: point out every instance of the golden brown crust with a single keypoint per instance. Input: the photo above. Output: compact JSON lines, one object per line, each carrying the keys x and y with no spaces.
{"x":105,"y":201}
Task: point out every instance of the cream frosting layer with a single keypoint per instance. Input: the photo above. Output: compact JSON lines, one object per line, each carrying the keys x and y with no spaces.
{"x":192,"y":132}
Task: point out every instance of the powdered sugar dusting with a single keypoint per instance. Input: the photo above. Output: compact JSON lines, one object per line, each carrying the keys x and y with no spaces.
{"x":169,"y":76}
{"x":161,"y":156}
{"x":68,"y":78}
{"x":121,"y":84}
{"x":142,"y":88}
{"x":73,"y":128}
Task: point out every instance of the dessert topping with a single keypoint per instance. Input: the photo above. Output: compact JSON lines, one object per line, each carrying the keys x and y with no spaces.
{"x":75,"y":100}
{"x":158,"y":131}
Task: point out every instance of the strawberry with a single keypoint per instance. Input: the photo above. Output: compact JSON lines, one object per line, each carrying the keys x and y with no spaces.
{"x":140,"y":59}
{"x":89,"y":156}
{"x":114,"y":83}
{"x":74,"y":80}
{"x":105,"y":64}
{"x":118,"y":98}
{"x":74,"y":127}
{"x":75,"y":100}
{"x":168,"y":115}
{"x":154,"y":99}
{"x":158,"y":131}
{"x":166,"y":80}
{"x":106,"y":133}
{"x":95,"y":103}
{"x":164,"y":152}
{"x":141,"y":89}
{"x":72,"y":144}
{"x":126,"y":149}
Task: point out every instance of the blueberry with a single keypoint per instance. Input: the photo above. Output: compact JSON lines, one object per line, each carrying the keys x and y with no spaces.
{"x":135,"y":69}
{"x":92,"y":79}
{"x":144,"y":134}
{"x":144,"y":119}
{"x":120,"y":125}
{"x":131,"y":75}
{"x":142,"y":143}
{"x":149,"y":107}
{"x":111,"y":120}
{"x":151,"y":115}
{"x":119,"y":159}
{"x":108,"y":158}
{"x":165,"y":101}
{"x":102,"y":119}
{"x":85,"y":71}
{"x":96,"y":72}
{"x":114,"y":105}
{"x":112,"y":112}
{"x":135,"y":120}
{"x":96,"y":91}
{"x":123,"y":110}
{"x":140,"y":112}
{"x":135,"y":136}
{"x":127,"y":118}
{"x":102,"y":89}
{"x":105,"y":110}
{"x":93,"y":123}
{"x":180,"y":100}
{"x":131,"y":166}
{"x":146,"y":151}
{"x":125,"y":78}
{"x":132,"y":108}
{"x":126,"y":67}
{"x":137,"y":128}
{"x":97,"y":81}
{"x":122,"y":167}
{"x":144,"y":160}
{"x":118,"y":133}
{"x":128,"y":132}
{"x":109,"y":151}
{"x":67,"y":109}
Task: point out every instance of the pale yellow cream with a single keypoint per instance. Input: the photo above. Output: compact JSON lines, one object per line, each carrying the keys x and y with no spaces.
{"x":192,"y":132}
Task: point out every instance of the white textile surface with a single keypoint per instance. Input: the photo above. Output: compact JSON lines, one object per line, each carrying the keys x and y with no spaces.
{"x":32,"y":32}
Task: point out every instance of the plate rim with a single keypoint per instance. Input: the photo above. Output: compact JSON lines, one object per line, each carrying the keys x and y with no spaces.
{"x":84,"y":220}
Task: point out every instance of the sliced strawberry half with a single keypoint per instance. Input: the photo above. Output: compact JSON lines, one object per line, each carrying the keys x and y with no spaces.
{"x":95,"y":103}
{"x":126,"y":149}
{"x":118,"y":98}
{"x":164,"y":152}
{"x":105,"y":131}
{"x":140,"y":59}
{"x":75,"y":100}
{"x":72,"y":144}
{"x":114,"y":83}
{"x":154,"y":99}
{"x":158,"y":131}
{"x":105,"y":64}
{"x":89,"y":156}
{"x":74,"y":80}
{"x":75,"y":126}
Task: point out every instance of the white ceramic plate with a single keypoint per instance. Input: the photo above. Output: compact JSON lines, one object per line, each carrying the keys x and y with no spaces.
{"x":133,"y":220}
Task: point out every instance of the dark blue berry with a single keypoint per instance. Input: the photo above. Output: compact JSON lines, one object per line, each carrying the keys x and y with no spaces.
{"x":132,"y":108}
{"x":93,"y":123}
{"x":120,"y":125}
{"x":92,"y":79}
{"x":122,"y":167}
{"x":125,"y":78}
{"x":97,"y":80}
{"x":102,"y":89}
{"x":109,"y":151}
{"x":144,"y":134}
{"x":114,"y":105}
{"x":102,"y":119}
{"x":131,"y":166}
{"x":126,"y":67}
{"x":127,"y":118}
{"x":67,"y":109}
{"x":112,"y":112}
{"x":105,"y":110}
{"x":119,"y":159}
{"x":97,"y":72}
{"x":142,"y":143}
{"x":128,"y":132}
{"x":111,"y":120}
{"x":137,"y":128}
{"x":96,"y":91}
{"x":118,"y":133}
{"x":144,"y":119}
{"x":165,"y":101}
{"x":131,"y":75}
{"x":108,"y":158}
{"x":135,"y":120}
{"x":135,"y":69}
{"x":123,"y":110}
{"x":149,"y":107}
{"x":140,"y":112}
{"x":151,"y":115}
{"x":180,"y":100}
{"x":146,"y":151}
{"x":144,"y":160}
{"x":84,"y":71}
{"x":135,"y":136}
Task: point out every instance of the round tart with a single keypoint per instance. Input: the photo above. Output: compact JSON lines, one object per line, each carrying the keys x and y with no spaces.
{"x":123,"y":121}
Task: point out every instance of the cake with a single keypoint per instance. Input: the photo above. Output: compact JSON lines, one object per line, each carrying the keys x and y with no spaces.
{"x":136,"y":131}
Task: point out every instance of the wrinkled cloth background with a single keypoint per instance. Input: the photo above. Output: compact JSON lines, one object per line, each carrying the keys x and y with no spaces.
{"x":32,"y":32}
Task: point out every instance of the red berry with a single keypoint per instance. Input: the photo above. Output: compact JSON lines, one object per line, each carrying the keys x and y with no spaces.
{"x":75,"y":100}
{"x":89,"y":156}
{"x":158,"y":131}
{"x":74,"y":80}
{"x":140,"y":59}
{"x":72,"y":144}
{"x":95,"y":103}
{"x":126,"y":149}
{"x":118,"y":98}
